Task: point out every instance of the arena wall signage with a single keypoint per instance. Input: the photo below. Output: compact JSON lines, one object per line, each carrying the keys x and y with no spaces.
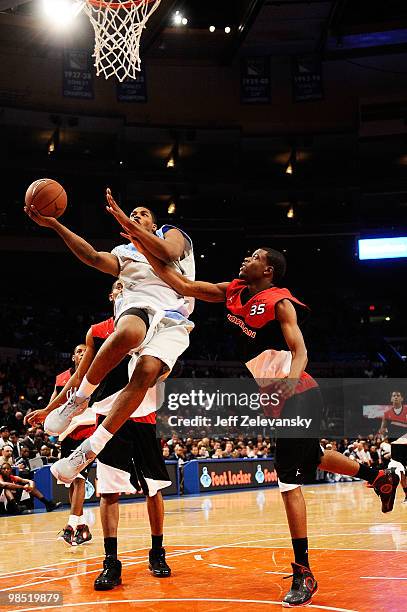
{"x":223,"y":474}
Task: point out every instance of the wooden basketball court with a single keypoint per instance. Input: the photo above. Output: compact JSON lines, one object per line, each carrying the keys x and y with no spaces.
{"x":225,"y":550}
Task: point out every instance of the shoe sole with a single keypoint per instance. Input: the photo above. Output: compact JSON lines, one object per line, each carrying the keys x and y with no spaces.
{"x":58,"y":476}
{"x":287,"y":605}
{"x":390,"y":502}
{"x":158,"y":575}
{"x":69,"y":544}
{"x":75,"y":544}
{"x":107,"y":588}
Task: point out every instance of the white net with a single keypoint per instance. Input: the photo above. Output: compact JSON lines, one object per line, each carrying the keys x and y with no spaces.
{"x":118,"y":28}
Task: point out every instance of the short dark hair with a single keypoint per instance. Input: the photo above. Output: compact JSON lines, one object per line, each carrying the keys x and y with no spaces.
{"x":153,"y":215}
{"x":278,"y":261}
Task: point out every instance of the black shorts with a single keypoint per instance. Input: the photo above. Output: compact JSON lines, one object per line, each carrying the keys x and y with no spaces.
{"x":68,"y":445}
{"x":132,"y":459}
{"x":136,"y":312}
{"x":297,"y":459}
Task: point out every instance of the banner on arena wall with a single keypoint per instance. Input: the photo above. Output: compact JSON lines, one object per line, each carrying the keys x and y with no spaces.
{"x":133,"y":90}
{"x":255,"y":81}
{"x":307,"y":78}
{"x":78,"y":74}
{"x":224,"y":474}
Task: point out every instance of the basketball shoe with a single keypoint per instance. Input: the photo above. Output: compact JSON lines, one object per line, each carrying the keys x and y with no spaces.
{"x":66,"y":535}
{"x":82,"y":535}
{"x":303,"y":588}
{"x":385,"y":486}
{"x":157,"y":563}
{"x":67,"y":469}
{"x":59,"y":419}
{"x":110,"y":576}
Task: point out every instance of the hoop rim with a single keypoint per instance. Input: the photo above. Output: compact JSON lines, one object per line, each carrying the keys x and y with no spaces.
{"x":117,"y":4}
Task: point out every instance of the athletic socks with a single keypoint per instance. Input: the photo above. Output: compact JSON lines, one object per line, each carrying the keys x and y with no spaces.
{"x":85,"y":388}
{"x":99,"y":439}
{"x":156,"y":542}
{"x":300,"y":547}
{"x":367,"y":473}
{"x":73,"y":521}
{"x":111,"y":547}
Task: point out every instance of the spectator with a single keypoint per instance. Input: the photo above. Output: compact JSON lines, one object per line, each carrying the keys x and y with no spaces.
{"x":12,"y":487}
{"x":4,"y":435}
{"x":6,"y":455}
{"x":45,"y":454}
{"x":30,"y":442}
{"x":167,"y":454}
{"x":193,"y":454}
{"x":23,"y":462}
{"x":218,"y":454}
{"x":227,"y":453}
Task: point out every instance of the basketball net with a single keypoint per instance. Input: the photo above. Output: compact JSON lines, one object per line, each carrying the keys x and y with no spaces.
{"x":118,"y":28}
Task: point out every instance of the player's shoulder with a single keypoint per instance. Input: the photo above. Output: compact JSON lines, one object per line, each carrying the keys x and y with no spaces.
{"x":236,"y":285}
{"x":103,"y":329}
{"x":164,"y":229}
{"x":63,"y":377}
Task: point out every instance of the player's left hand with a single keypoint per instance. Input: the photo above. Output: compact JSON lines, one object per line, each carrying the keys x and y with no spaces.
{"x":114,"y":209}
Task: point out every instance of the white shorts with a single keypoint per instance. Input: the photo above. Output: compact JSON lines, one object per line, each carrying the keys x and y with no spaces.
{"x":399,"y":467}
{"x":168,"y":341}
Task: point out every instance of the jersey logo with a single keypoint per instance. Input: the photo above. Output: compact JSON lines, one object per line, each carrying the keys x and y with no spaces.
{"x":245,"y":330}
{"x":257,"y":309}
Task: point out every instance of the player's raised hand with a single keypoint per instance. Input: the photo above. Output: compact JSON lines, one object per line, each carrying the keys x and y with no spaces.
{"x":114,"y":209}
{"x":38,"y":218}
{"x":36,"y":417}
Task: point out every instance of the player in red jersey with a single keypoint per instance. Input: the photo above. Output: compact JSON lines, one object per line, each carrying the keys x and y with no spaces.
{"x":74,"y":530}
{"x":265,"y":317}
{"x":130,"y":462}
{"x":62,"y":378}
{"x":394,"y":422}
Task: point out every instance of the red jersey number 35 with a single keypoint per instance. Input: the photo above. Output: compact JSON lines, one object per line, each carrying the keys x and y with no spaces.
{"x":257,"y":309}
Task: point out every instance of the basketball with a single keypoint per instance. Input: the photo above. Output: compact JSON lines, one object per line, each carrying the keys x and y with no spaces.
{"x":48,"y":197}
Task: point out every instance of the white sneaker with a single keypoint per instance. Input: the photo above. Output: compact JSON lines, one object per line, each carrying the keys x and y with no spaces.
{"x":59,"y":419}
{"x":67,"y":469}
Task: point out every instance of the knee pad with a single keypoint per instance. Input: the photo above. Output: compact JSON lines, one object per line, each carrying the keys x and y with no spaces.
{"x":284,"y":487}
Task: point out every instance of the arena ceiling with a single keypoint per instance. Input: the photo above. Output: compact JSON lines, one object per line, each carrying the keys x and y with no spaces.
{"x":332,"y":28}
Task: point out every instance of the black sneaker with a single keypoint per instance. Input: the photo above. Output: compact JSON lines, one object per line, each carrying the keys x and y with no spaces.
{"x":82,"y":535}
{"x":385,"y":486}
{"x":303,"y":588}
{"x":66,"y":535}
{"x":51,"y":506}
{"x":157,"y":563}
{"x":111,"y":575}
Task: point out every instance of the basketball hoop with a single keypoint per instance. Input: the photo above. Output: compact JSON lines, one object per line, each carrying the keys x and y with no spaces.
{"x":118,"y":28}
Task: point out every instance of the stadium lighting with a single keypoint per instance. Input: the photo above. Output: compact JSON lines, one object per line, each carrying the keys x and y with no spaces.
{"x":184,"y":21}
{"x":290,"y":213}
{"x":212,"y":28}
{"x":177,"y":18}
{"x":172,"y":207}
{"x":61,"y":12}
{"x":289,"y":169}
{"x":227,"y":30}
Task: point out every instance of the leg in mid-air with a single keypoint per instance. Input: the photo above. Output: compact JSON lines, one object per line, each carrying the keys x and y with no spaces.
{"x":129,"y":333}
{"x":157,"y":358}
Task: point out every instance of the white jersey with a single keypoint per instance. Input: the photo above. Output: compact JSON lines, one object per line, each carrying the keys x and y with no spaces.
{"x":142,"y":286}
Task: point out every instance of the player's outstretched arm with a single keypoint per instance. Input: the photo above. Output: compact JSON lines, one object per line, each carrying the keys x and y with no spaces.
{"x":287,"y":316}
{"x":169,"y":249}
{"x":207,"y":292}
{"x":39,"y":416}
{"x":101,"y":260}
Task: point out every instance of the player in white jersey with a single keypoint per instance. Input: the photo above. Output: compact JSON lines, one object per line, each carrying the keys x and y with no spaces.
{"x":152,"y":322}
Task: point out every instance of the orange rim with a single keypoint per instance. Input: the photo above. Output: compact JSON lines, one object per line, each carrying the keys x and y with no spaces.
{"x":118,"y":5}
